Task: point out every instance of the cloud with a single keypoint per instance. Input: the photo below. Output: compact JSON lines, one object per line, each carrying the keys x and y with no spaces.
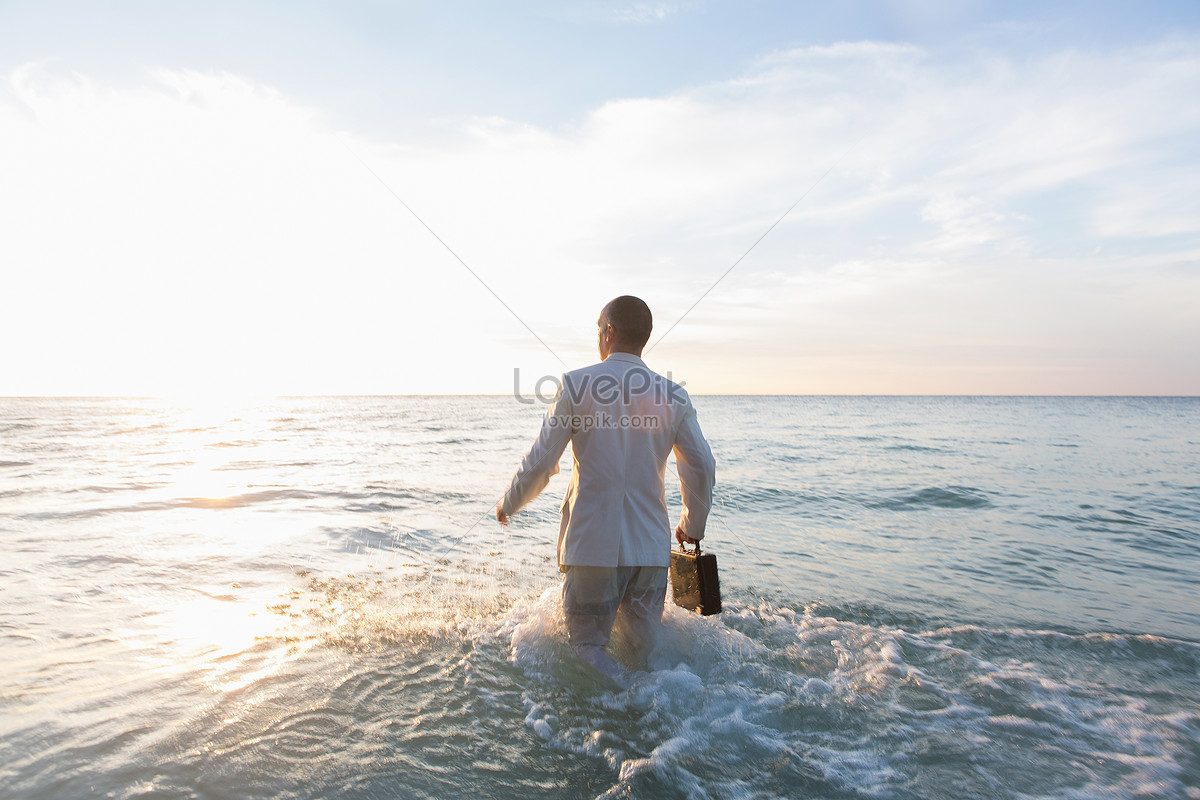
{"x":963,"y":225}
{"x":978,"y":186}
{"x":643,"y":13}
{"x":990,"y":223}
{"x":203,"y":231}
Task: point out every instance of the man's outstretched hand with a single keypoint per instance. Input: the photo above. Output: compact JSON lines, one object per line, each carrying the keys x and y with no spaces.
{"x":683,"y":538}
{"x":501,"y":517}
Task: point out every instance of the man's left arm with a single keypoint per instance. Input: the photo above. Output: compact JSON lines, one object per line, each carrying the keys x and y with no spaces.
{"x":697,"y":475}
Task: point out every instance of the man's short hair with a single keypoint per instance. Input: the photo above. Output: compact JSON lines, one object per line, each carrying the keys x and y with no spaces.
{"x":631,"y":317}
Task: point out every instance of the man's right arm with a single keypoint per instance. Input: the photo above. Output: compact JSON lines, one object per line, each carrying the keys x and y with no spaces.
{"x":541,"y":462}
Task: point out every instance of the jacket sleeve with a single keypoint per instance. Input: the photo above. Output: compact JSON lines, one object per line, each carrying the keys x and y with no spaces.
{"x":697,"y":474}
{"x":541,"y":462}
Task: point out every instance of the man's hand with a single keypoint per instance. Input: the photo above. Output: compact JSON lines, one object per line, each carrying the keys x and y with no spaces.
{"x":501,"y":517}
{"x":682,"y":538}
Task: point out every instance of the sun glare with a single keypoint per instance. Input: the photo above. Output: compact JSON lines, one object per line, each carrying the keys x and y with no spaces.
{"x":239,"y":642}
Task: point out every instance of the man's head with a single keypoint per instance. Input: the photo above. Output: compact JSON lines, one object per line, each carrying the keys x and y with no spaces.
{"x":624,"y":326}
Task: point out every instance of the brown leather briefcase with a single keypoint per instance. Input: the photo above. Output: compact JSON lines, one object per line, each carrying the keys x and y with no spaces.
{"x":694,"y":581}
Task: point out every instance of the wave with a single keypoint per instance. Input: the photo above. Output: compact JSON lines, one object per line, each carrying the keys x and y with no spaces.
{"x":914,"y":448}
{"x":370,"y":501}
{"x":761,"y":498}
{"x":232,"y":501}
{"x":783,"y":702}
{"x":403,"y":686}
{"x":235,"y":466}
{"x":125,"y":487}
{"x":937,"y":497}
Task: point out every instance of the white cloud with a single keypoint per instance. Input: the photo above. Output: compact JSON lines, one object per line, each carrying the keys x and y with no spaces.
{"x":964,"y":225}
{"x":201,"y":231}
{"x":643,"y":13}
{"x":213,"y":224}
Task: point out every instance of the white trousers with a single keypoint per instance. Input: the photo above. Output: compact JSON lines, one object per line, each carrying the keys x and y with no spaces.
{"x":597,"y":598}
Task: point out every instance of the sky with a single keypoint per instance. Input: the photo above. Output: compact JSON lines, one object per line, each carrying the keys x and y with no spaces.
{"x":395,"y":198}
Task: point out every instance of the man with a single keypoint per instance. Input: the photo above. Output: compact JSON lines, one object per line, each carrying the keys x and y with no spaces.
{"x":614,"y":539}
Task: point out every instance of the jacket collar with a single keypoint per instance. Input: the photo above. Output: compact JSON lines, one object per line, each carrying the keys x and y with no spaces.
{"x":627,"y":357}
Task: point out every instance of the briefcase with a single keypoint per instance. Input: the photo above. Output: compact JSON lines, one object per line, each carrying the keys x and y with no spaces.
{"x":694,"y":581}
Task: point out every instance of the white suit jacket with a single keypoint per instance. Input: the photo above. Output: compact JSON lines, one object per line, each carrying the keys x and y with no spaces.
{"x":622,"y":421}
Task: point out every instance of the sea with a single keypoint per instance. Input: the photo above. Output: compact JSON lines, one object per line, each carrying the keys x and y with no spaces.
{"x":941,"y":598}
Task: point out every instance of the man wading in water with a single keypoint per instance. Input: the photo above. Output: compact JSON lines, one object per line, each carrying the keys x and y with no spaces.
{"x":614,"y":540}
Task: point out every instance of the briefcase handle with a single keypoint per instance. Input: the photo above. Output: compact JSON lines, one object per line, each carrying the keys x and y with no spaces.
{"x":683,"y":549}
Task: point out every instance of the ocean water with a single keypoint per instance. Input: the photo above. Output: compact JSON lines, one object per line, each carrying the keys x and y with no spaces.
{"x":925,"y":598}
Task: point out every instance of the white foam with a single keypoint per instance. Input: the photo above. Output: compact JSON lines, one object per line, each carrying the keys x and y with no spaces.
{"x":768,"y":700}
